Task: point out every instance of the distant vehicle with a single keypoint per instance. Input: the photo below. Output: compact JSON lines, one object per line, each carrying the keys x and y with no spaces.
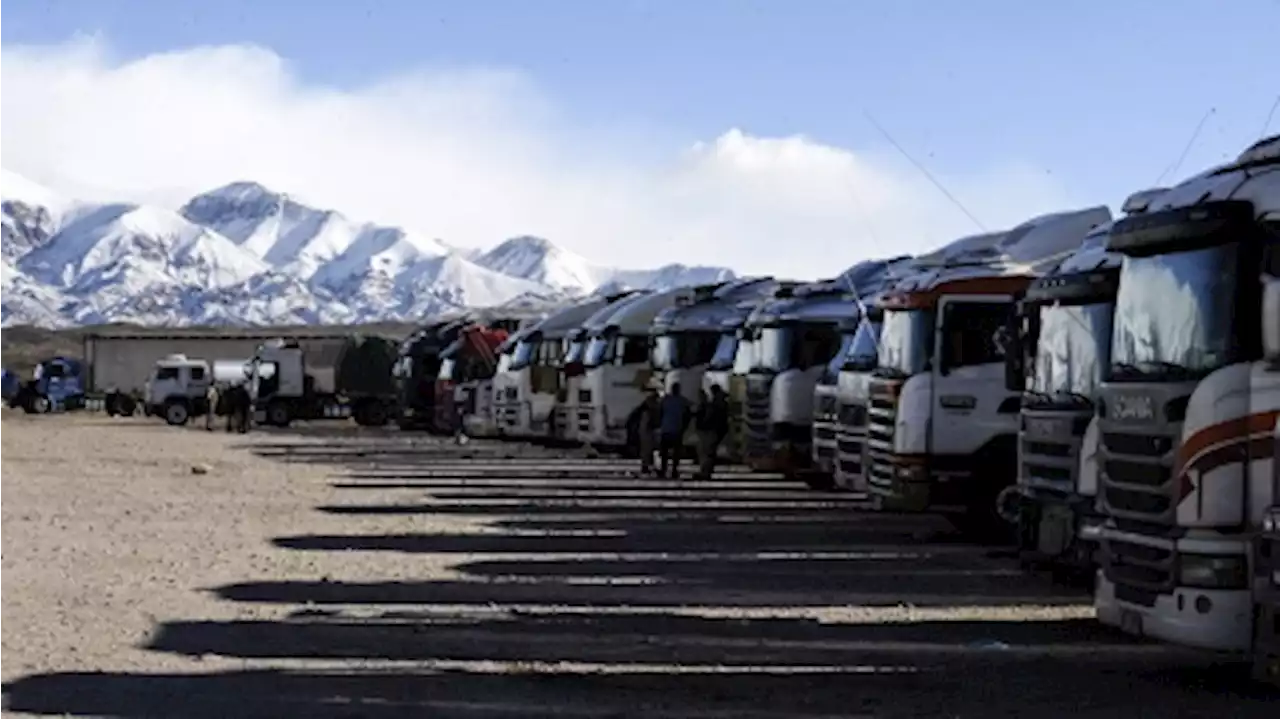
{"x":470,"y":358}
{"x":57,"y":384}
{"x":177,"y":389}
{"x":287,"y":384}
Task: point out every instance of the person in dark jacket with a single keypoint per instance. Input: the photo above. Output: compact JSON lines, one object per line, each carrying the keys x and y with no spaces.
{"x":713,"y":426}
{"x":646,"y":425}
{"x":239,"y":405}
{"x":673,"y":419}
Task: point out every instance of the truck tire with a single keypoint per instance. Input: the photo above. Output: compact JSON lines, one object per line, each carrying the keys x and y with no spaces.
{"x":278,"y":414}
{"x":38,"y":404}
{"x":127,"y":406}
{"x":176,"y":413}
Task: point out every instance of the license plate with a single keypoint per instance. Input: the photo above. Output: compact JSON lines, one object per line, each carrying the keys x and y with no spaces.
{"x":1131,"y":622}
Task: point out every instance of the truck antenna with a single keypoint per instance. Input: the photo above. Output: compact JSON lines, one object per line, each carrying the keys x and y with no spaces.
{"x":1187,"y":148}
{"x":925,"y":172}
{"x":1270,"y":114}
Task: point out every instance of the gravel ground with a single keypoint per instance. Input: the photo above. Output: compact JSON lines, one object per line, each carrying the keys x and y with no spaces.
{"x":335,"y":572}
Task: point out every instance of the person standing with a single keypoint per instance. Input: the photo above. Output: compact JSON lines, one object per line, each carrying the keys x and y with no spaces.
{"x":713,"y":426}
{"x":646,"y":421}
{"x":211,"y":399}
{"x":672,"y":421}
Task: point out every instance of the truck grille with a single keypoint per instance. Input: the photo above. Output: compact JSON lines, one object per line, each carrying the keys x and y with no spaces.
{"x":757,"y":414}
{"x":1137,"y":477}
{"x":882,"y":415}
{"x":1049,"y":448}
{"x":1140,"y":573}
{"x":851,"y":437}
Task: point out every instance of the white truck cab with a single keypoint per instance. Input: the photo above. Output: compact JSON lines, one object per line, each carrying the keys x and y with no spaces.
{"x":1266,"y":555}
{"x":617,"y":370}
{"x":528,"y":384}
{"x":729,"y":367}
{"x":853,"y":385}
{"x":177,"y":388}
{"x":1187,"y":413}
{"x":826,"y":408}
{"x":942,"y":425}
{"x":1061,"y":350}
{"x":795,"y":335}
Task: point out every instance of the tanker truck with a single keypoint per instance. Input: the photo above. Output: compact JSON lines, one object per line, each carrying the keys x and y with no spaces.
{"x":352,"y":377}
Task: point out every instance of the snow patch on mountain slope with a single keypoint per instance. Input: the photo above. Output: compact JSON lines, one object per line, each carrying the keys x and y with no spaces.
{"x":541,"y":260}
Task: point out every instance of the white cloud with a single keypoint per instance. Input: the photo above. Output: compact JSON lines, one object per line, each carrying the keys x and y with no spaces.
{"x":473,"y":156}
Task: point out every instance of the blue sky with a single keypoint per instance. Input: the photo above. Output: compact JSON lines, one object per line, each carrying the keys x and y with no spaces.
{"x":1101,"y":96}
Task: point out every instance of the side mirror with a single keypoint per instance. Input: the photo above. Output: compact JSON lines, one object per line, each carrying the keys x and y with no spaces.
{"x":1271,"y":317}
{"x":940,"y":339}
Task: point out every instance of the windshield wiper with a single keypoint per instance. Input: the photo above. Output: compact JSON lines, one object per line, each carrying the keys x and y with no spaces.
{"x":890,"y":373}
{"x":1127,"y":369}
{"x":1076,"y":397}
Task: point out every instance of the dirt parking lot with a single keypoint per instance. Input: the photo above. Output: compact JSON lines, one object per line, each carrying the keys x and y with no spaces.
{"x":331,"y":572}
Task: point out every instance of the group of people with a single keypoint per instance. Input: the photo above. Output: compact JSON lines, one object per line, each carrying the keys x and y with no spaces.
{"x":232,"y":401}
{"x":663,"y":420}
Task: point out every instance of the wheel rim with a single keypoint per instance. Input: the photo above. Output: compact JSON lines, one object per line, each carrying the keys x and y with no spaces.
{"x":1007,"y":504}
{"x":177,"y":414}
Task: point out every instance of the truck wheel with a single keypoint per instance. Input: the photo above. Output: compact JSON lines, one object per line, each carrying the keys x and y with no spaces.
{"x":39,"y":404}
{"x":176,"y":413}
{"x":278,"y":414}
{"x":127,"y":406}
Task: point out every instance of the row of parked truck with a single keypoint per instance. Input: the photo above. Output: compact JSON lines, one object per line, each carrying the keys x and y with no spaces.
{"x":1103,"y":390}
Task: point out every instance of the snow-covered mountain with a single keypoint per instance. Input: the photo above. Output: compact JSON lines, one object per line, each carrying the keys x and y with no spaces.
{"x":244,"y":254}
{"x":540,"y":260}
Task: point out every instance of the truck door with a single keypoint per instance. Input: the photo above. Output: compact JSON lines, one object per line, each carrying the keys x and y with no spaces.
{"x":969,"y":385}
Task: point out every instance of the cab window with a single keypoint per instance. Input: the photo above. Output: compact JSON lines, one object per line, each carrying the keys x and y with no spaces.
{"x":970,"y":333}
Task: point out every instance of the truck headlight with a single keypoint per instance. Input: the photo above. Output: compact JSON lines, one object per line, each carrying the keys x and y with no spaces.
{"x":1213,"y":572}
{"x":1271,"y":520}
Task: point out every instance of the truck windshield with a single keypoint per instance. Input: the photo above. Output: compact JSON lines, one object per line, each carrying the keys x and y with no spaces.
{"x":860,"y":356}
{"x":682,"y":350}
{"x":797,"y":346}
{"x":726,"y":350}
{"x":906,"y":342}
{"x":1174,"y":313}
{"x":1074,"y":346}
{"x":600,"y":350}
{"x":577,"y":350}
{"x":744,"y":357}
{"x":772,"y":351}
{"x":523,"y":355}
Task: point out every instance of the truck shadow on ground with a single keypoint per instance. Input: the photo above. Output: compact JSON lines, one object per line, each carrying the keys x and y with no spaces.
{"x":558,"y":665}
{"x":653,"y":601}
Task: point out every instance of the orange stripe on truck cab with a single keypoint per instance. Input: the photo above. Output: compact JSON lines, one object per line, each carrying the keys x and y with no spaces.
{"x":1218,"y":438}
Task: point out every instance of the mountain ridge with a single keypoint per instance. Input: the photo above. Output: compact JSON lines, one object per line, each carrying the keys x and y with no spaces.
{"x":244,"y":254}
